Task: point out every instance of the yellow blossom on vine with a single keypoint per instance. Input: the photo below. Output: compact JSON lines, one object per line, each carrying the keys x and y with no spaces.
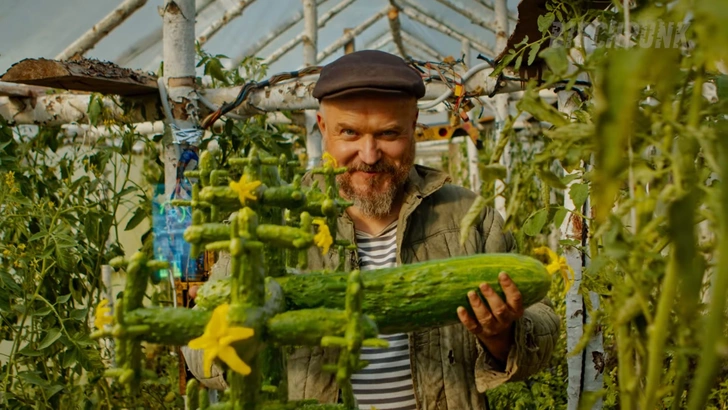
{"x":245,"y":189}
{"x":329,"y":159}
{"x":323,"y":238}
{"x":103,"y":314}
{"x":557,"y":263}
{"x":21,"y":246}
{"x":217,"y":339}
{"x":6,"y":252}
{"x":10,"y":182}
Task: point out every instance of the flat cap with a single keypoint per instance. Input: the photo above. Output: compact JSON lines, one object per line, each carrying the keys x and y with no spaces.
{"x":368,"y":70}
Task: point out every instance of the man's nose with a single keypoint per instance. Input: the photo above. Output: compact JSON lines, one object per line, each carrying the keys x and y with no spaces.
{"x":369,"y":151}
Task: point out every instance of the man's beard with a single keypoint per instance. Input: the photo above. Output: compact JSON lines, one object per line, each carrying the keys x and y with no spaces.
{"x":376,"y":196}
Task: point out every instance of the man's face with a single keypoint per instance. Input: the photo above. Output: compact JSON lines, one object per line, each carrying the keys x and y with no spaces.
{"x":373,"y":136}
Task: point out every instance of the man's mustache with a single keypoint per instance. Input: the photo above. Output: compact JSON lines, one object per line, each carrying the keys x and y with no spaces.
{"x":378,"y":167}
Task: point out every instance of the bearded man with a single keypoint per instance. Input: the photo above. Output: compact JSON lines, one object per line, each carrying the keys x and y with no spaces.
{"x":405,"y":213}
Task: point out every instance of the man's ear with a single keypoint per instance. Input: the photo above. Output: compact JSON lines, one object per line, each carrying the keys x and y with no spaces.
{"x":320,"y":122}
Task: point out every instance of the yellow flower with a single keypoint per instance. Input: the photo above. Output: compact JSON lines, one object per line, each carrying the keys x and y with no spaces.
{"x":244,"y":188}
{"x":6,"y":252}
{"x":216,"y":341}
{"x":103,"y":316}
{"x":10,"y":178}
{"x":329,"y":160}
{"x":323,"y":238}
{"x":21,"y":246}
{"x":557,"y":263}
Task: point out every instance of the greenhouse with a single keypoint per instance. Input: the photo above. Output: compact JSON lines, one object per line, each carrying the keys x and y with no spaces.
{"x":364,"y":204}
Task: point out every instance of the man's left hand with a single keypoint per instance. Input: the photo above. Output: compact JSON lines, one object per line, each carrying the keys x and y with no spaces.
{"x":494,"y":326}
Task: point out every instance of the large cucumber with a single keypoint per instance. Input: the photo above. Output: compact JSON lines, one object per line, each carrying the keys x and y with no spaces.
{"x":420,"y":295}
{"x":409,"y":297}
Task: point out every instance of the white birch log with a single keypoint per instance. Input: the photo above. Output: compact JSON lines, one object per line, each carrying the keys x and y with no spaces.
{"x":310,"y":38}
{"x":64,"y":108}
{"x":472,"y":150}
{"x":296,"y":40}
{"x":229,"y":16}
{"x":178,"y":83}
{"x":571,"y":230}
{"x":469,"y":14}
{"x":112,"y":20}
{"x":21,"y":90}
{"x":417,"y":13}
{"x":151,"y":39}
{"x":501,"y":105}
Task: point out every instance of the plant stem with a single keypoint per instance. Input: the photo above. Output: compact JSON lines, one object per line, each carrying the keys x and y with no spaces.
{"x":658,"y":334}
{"x":713,"y":336}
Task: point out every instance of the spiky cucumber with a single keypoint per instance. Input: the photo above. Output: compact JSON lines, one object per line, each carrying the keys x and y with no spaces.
{"x":420,"y":295}
{"x":409,"y":297}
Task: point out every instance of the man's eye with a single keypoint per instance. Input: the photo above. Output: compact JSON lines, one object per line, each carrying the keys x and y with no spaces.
{"x":348,"y":132}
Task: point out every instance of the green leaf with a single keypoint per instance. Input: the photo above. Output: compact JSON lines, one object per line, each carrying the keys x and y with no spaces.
{"x":545,"y":21}
{"x":550,"y":179}
{"x":535,"y":222}
{"x":44,"y":311}
{"x":30,"y":352}
{"x":32,"y":378}
{"x":52,"y":390}
{"x":533,"y":53}
{"x":559,"y":216}
{"x":9,"y":283}
{"x":135,"y":220}
{"x":50,"y":338}
{"x":78,"y":314}
{"x":69,"y":358}
{"x":721,"y":84}
{"x":63,"y":299}
{"x":519,"y":60}
{"x":94,"y":109}
{"x":556,"y":59}
{"x":570,"y":177}
{"x":578,"y":194}
{"x":532,"y":103}
{"x":470,"y":217}
{"x":572,"y":132}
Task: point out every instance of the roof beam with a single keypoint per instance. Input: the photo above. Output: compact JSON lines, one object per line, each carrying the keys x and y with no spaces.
{"x":395,"y":27}
{"x":473,"y":17}
{"x":112,"y":20}
{"x":229,"y":16}
{"x":420,"y":45}
{"x":151,"y":39}
{"x":272,"y":35}
{"x":381,"y":42}
{"x":350,"y":35}
{"x":416,"y":13}
{"x":294,"y":41}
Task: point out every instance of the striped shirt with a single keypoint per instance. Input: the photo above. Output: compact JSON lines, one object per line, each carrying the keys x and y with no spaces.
{"x":386,"y":383}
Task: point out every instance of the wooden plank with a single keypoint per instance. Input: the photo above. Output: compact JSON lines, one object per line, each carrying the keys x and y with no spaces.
{"x":82,"y":75}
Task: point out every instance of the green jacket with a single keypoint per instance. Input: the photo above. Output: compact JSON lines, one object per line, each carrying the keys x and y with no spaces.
{"x":450,"y":368}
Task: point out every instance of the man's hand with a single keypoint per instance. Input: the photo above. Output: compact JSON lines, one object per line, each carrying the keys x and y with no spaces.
{"x":494,"y":326}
